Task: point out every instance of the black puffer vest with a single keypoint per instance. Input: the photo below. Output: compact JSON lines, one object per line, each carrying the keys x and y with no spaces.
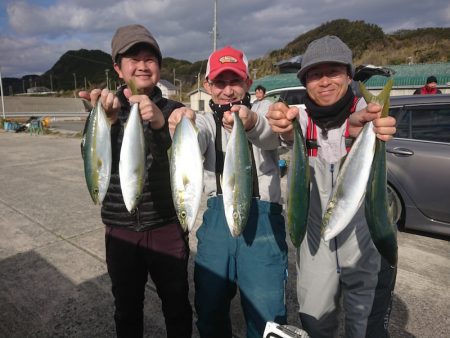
{"x":156,"y":207}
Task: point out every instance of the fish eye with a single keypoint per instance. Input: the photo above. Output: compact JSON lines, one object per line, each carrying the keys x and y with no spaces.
{"x":183,"y":214}
{"x":235,"y":215}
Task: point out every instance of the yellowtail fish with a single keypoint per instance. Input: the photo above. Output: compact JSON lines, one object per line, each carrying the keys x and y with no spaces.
{"x":351,"y":182}
{"x":96,"y":153}
{"x":298,"y":188}
{"x":378,"y":219}
{"x":237,"y":182}
{"x":132,"y":159}
{"x":186,"y":173}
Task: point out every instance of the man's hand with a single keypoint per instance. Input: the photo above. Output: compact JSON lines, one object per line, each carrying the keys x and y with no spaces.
{"x":110,"y":102}
{"x":177,"y":114}
{"x":149,"y":111}
{"x":383,"y":127}
{"x":248,"y":117}
{"x":280,"y":118}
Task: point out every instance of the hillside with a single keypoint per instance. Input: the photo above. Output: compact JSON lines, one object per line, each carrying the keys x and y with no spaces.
{"x":368,"y":42}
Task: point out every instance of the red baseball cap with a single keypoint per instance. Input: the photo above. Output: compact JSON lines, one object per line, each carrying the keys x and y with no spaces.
{"x":224,"y":59}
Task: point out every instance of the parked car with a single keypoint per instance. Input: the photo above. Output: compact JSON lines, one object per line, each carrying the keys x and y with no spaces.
{"x":418,"y":161}
{"x":290,"y":95}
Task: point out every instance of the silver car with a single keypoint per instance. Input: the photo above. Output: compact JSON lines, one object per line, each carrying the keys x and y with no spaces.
{"x":418,"y":161}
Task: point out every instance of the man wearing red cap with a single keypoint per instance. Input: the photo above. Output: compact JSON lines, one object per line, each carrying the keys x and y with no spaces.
{"x":255,"y":261}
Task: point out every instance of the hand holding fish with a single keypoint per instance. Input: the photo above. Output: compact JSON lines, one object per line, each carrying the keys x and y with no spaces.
{"x":110,"y":102}
{"x":176,"y":116}
{"x":383,"y":127}
{"x":247,"y":116}
{"x":149,"y":111}
{"x":280,"y":118}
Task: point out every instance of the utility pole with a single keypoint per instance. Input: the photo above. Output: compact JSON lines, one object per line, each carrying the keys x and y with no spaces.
{"x":1,"y":92}
{"x":107,"y":78}
{"x":215,"y":27}
{"x":180,"y":87}
{"x":75,"y":80}
{"x":51,"y":82}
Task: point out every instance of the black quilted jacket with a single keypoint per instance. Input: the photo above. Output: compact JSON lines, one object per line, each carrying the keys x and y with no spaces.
{"x":156,"y":207}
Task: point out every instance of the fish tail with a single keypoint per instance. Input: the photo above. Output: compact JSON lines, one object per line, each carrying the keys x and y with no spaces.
{"x":382,"y":98}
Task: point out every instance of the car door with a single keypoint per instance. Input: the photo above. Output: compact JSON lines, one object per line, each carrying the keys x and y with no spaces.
{"x":419,"y":158}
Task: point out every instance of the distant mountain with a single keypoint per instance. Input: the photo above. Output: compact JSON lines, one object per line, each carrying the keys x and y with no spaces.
{"x":90,"y":69}
{"x":369,"y":44}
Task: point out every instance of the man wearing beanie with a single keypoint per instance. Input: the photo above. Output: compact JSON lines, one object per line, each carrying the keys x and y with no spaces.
{"x":348,"y":265}
{"x":149,"y":240}
{"x":429,"y":88}
{"x":255,"y":261}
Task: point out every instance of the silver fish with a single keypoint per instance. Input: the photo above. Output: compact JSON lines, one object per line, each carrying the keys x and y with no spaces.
{"x":132,"y":159}
{"x":351,"y":182}
{"x":96,"y":153}
{"x":237,"y":179}
{"x":186,"y":173}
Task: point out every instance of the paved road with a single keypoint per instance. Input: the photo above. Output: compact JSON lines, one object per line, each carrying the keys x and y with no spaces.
{"x":53,"y":279}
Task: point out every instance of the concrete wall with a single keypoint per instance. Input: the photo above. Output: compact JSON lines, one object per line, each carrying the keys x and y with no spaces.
{"x":17,"y":104}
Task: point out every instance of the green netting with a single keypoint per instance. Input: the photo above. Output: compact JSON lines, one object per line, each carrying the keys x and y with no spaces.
{"x":414,"y":74}
{"x":277,"y":81}
{"x":405,"y":75}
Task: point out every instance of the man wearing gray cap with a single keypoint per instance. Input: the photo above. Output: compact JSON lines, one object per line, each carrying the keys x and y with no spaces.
{"x":150,"y":239}
{"x":348,"y":265}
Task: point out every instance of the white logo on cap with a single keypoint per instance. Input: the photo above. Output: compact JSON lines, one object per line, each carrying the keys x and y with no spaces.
{"x":228,"y":59}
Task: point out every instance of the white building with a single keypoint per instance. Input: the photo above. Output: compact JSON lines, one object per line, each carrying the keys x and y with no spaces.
{"x":167,"y":88}
{"x":199,"y":100}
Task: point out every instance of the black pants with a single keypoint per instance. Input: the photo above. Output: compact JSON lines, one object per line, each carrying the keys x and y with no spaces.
{"x":131,"y":256}
{"x":378,"y":322}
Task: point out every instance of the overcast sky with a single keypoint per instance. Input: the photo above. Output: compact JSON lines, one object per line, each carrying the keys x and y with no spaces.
{"x":34,"y":34}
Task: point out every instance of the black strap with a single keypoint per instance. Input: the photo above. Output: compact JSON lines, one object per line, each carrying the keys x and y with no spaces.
{"x":219,"y":153}
{"x":254,"y":174}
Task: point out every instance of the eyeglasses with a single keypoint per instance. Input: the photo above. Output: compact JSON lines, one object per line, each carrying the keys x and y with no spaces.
{"x":221,"y":84}
{"x":332,"y":73}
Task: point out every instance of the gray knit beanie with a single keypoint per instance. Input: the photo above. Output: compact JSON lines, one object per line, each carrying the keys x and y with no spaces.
{"x":327,"y":49}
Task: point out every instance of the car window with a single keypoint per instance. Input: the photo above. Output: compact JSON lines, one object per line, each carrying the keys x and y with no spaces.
{"x":423,"y":123}
{"x":274,"y":97}
{"x":403,"y":122}
{"x":294,"y":96}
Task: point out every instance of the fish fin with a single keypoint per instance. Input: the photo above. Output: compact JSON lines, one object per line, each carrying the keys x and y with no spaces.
{"x":232,"y":180}
{"x":186,"y":180}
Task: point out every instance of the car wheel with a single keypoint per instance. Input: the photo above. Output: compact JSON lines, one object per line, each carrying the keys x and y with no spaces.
{"x":395,"y":207}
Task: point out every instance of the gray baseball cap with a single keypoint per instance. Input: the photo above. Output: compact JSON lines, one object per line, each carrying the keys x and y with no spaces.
{"x":127,"y":36}
{"x":324,"y":50}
